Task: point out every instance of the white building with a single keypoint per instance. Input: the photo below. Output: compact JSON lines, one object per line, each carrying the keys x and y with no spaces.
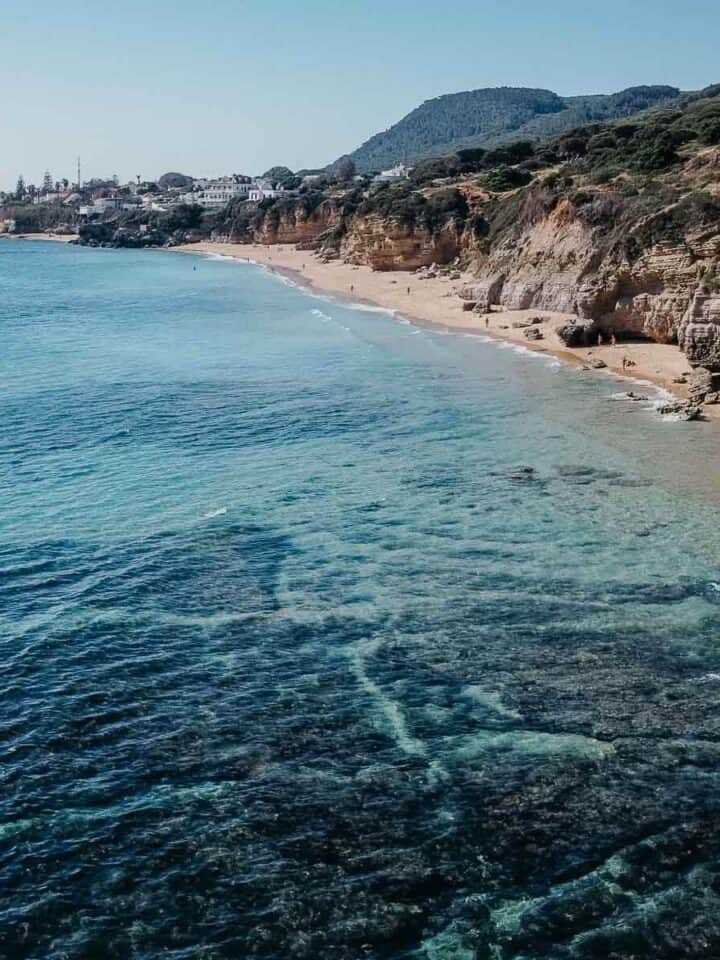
{"x":221,"y":191}
{"x":262,"y":190}
{"x":400,"y":172}
{"x":102,"y":205}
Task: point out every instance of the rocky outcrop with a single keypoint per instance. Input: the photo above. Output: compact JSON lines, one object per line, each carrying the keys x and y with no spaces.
{"x":699,"y":334}
{"x":296,"y":225}
{"x":701,"y":385}
{"x":583,"y":257}
{"x":680,"y":410}
{"x":392,"y":245}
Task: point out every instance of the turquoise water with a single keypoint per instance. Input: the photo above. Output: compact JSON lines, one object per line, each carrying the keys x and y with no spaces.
{"x":325,"y":636}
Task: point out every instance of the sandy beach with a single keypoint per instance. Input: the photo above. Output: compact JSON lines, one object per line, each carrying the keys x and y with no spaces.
{"x":53,"y":237}
{"x":435,"y":302}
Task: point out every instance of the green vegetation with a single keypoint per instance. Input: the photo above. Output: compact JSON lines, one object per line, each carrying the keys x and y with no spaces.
{"x":505,"y":178}
{"x":406,"y":205}
{"x":36,"y":218}
{"x":649,"y":144}
{"x":186,"y":216}
{"x":170,"y":180}
{"x":488,"y":117}
{"x":635,"y":182}
{"x":278,"y":174}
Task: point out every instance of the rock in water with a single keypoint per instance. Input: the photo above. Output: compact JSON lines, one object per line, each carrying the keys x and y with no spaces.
{"x":682,"y":409}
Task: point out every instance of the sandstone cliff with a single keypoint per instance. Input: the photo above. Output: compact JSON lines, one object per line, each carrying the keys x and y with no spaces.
{"x":620,"y":270}
{"x":391,"y":245}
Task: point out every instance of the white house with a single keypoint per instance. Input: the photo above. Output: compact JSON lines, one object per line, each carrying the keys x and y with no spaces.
{"x":102,"y":205}
{"x":219,"y":192}
{"x":263,"y":189}
{"x":400,"y":172}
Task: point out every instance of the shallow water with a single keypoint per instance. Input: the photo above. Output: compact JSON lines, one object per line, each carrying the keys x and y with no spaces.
{"x":325,"y":636}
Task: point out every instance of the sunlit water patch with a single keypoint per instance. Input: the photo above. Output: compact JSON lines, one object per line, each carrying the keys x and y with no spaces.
{"x":327,"y":638}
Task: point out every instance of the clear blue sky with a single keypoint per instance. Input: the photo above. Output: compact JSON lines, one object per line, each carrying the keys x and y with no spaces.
{"x":145,"y":86}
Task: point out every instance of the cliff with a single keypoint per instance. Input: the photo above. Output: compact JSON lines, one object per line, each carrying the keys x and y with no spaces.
{"x":617,"y":224}
{"x":301,"y":220}
{"x":392,"y":245}
{"x":633,"y":263}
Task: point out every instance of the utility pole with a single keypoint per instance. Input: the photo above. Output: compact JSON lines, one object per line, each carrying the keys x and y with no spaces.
{"x":79,"y":180}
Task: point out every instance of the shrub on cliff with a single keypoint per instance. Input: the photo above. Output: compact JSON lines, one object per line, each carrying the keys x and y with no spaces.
{"x":443,"y":206}
{"x":503,"y":179}
{"x":439,"y":168}
{"x":508,"y":155}
{"x":186,"y":216}
{"x":656,"y":153}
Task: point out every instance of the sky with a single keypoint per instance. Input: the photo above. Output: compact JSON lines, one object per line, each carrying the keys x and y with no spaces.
{"x":226,"y":86}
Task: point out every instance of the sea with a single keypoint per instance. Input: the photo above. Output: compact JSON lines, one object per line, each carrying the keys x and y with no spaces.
{"x":324,"y":636}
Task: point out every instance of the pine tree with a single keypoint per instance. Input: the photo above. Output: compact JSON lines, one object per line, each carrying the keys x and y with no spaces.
{"x":47,"y":182}
{"x":20,"y":188}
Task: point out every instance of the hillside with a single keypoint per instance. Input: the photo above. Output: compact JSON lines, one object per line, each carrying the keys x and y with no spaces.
{"x":616,"y":224}
{"x":491,"y":116}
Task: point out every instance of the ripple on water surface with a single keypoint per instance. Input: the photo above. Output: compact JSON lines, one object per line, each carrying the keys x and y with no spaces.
{"x":324,"y":639}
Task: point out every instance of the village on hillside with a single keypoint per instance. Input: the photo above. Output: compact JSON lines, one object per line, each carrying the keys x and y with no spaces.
{"x":85,"y":201}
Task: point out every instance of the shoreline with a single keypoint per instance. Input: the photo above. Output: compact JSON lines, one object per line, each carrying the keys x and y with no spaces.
{"x":434,"y":303}
{"x":52,"y":237}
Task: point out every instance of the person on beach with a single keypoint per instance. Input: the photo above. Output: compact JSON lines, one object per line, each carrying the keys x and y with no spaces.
{"x":487,"y":322}
{"x":352,"y":288}
{"x":408,"y":291}
{"x":624,"y":362}
{"x":600,"y":340}
{"x":613,"y":339}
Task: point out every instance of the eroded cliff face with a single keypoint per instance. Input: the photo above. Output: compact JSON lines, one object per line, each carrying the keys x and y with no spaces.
{"x":699,"y":334}
{"x":634,"y":259}
{"x":292,"y":224}
{"x":390,"y":245}
{"x":539,"y":264}
{"x":563,"y":259}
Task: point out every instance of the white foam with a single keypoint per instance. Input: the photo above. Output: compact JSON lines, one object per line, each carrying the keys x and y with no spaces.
{"x":224,"y":258}
{"x":554,"y":363}
{"x":215,"y":513}
{"x":393,"y":715}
